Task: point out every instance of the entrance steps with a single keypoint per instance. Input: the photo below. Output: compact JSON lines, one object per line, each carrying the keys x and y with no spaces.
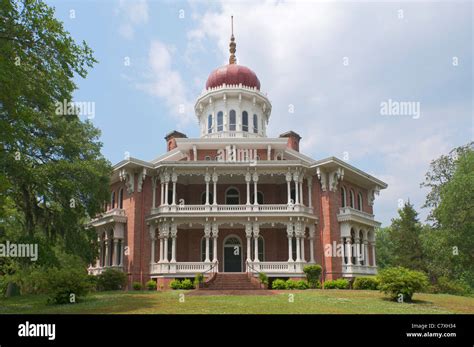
{"x":231,"y":281}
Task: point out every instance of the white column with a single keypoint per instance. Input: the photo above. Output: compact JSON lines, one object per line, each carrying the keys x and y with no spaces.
{"x":289,"y":233}
{"x":310,"y":186}
{"x":373,"y":254}
{"x":288,"y":186}
{"x":106,"y":242}
{"x":207,"y":179}
{"x":207,"y":234}
{"x":343,"y":243}
{"x":165,"y":240}
{"x":312,"y":231}
{"x":167,"y":180}
{"x":161,"y":248}
{"x":153,"y":240}
{"x":174,"y":236}
{"x":302,"y":244}
{"x":301,"y":190}
{"x":357,"y":250}
{"x":215,"y":233}
{"x":256,"y":232}
{"x":214,"y":180}
{"x":349,"y":250}
{"x":298,"y":248}
{"x":248,"y":178}
{"x":297,"y":194}
{"x":248,"y":234}
{"x":162,"y":189}
{"x":115,"y":260}
{"x":255,"y":180}
{"x":174,"y":179}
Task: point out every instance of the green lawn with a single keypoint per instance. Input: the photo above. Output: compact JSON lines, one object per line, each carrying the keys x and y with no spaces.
{"x":309,"y":301}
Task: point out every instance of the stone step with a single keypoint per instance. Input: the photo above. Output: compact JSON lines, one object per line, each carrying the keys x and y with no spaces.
{"x":232,"y":281}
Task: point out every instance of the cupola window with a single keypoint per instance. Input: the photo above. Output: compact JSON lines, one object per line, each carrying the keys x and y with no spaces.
{"x":232,"y":120}
{"x":255,"y":124}
{"x":245,"y":121}
{"x":220,"y":121}
{"x":209,"y":124}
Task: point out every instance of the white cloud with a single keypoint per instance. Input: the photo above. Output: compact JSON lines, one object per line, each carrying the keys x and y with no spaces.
{"x":166,"y":83}
{"x":132,"y":14}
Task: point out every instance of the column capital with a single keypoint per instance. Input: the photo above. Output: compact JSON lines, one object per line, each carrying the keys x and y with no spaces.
{"x":289,"y":229}
{"x":215,"y":230}
{"x":288,"y":176}
{"x":255,"y":177}
{"x":207,"y":229}
{"x":256,"y":229}
{"x":174,"y":177}
{"x":248,"y":229}
{"x":174,"y":230}
{"x":207,"y":177}
{"x":248,"y":177}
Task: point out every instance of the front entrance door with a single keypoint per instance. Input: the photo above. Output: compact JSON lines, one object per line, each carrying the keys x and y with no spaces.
{"x":232,"y":255}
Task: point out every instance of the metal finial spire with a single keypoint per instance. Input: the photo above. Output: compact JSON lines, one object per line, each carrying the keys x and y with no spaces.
{"x":232,"y":44}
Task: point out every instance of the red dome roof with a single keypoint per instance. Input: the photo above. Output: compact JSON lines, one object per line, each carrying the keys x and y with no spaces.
{"x":233,"y":74}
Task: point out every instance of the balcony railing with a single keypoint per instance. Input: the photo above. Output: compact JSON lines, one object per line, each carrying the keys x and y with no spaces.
{"x":116,"y":215}
{"x":357,"y":270}
{"x":349,"y":214}
{"x":98,"y":270}
{"x":267,"y":208}
{"x":180,"y":267}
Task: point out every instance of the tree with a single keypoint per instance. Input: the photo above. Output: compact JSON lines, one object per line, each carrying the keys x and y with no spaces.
{"x":405,"y":238}
{"x":385,"y":254}
{"x":455,"y":218}
{"x":52,"y":169}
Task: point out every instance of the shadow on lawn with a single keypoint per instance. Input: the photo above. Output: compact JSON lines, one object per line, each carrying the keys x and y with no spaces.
{"x":413,"y":301}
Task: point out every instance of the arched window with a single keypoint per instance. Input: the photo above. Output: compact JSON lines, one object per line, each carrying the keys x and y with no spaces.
{"x":259,"y":198}
{"x":203,"y":248}
{"x":232,"y":196}
{"x":232,"y":120}
{"x":220,"y":121}
{"x":359,"y":201}
{"x":261,"y":248}
{"x":255,"y":123}
{"x":112,"y":200}
{"x":209,"y":124}
{"x":245,"y":121}
{"x":351,"y":196}
{"x":203,"y":198}
{"x":343,"y":197}
{"x":120,"y":198}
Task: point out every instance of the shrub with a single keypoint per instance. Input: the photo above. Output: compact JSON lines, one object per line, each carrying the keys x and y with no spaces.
{"x":445,"y":285}
{"x":368,"y":283}
{"x":175,"y":284}
{"x":279,"y":284}
{"x":263,"y":278}
{"x":111,"y":279}
{"x":198,"y":279}
{"x":187,"y":284}
{"x":290,"y":284}
{"x":398,"y":281}
{"x":151,"y":285}
{"x":302,"y":285}
{"x":137,"y":286}
{"x":340,"y":283}
{"x":68,"y":285}
{"x":313,"y":272}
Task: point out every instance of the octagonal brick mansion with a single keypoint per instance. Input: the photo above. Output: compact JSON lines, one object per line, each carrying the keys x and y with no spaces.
{"x":235,"y":200}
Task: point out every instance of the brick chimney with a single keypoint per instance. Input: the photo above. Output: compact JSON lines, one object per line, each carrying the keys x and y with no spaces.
{"x":293,"y":140}
{"x":171,"y":139}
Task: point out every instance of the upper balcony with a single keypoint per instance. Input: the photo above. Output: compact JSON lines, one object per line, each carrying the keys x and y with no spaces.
{"x":198,"y":210}
{"x":349,"y":214}
{"x":115,"y":215}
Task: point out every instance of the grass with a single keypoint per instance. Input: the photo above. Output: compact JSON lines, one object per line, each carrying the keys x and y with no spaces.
{"x":308,"y":301}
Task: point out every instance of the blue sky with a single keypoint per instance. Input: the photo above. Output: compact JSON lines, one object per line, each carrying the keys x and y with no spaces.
{"x":333,"y":62}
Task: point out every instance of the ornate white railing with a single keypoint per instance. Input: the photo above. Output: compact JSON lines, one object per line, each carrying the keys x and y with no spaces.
{"x":349,"y":214}
{"x":98,"y":270}
{"x":271,"y":267}
{"x":268,"y":208}
{"x":180,"y":267}
{"x":359,"y":270}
